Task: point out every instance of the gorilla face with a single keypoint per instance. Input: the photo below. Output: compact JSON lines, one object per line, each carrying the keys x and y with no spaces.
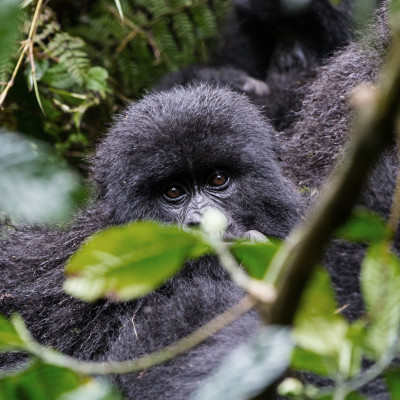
{"x":189,"y":197}
{"x":176,"y":153}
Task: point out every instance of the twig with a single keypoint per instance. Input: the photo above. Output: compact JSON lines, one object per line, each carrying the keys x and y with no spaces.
{"x":149,"y":360}
{"x":138,"y":30}
{"x":34,"y":80}
{"x":26,"y":46}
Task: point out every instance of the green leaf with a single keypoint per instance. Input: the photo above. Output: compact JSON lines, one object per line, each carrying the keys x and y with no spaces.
{"x":9,"y":25}
{"x":392,"y":378}
{"x":394,"y":8}
{"x":363,"y":226}
{"x":92,"y":390}
{"x":355,"y":396}
{"x":48,"y":382}
{"x":58,"y":77}
{"x":9,"y":338}
{"x":34,"y":184}
{"x":318,"y":328}
{"x":314,"y":392}
{"x":41,"y":66}
{"x":380,"y":285}
{"x":324,"y":335}
{"x":305,"y":360}
{"x":255,"y":257}
{"x":129,"y":261}
{"x":250,"y":368}
{"x":96,"y":79}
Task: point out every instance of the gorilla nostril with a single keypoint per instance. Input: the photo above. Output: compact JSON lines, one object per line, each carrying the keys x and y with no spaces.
{"x":193,"y":220}
{"x":192,"y":224}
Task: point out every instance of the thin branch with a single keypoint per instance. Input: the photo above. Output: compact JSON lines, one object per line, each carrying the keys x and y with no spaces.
{"x":10,"y":83}
{"x":26,"y":44}
{"x":138,"y":30}
{"x":34,"y":79}
{"x":149,"y":360}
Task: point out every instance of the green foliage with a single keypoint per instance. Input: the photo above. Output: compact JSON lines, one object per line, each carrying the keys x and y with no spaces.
{"x":363,"y":226}
{"x":34,"y":184}
{"x":322,"y":333}
{"x":39,"y":381}
{"x":255,"y":257}
{"x":328,"y":344}
{"x":72,"y":65}
{"x":9,"y":34}
{"x":128,"y":262}
{"x":92,"y":389}
{"x":392,"y":377}
{"x":394,"y":7}
{"x":96,"y":61}
{"x":9,"y":338}
{"x":380,"y":284}
{"x":112,"y":51}
{"x":251,"y":368}
{"x":66,"y":83}
{"x":155,"y":37}
{"x":47,"y":382}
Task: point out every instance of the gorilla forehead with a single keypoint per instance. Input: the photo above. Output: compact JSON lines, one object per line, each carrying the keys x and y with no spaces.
{"x":185,"y":128}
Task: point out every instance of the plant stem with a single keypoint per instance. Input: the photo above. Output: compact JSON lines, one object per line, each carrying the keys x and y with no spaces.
{"x":26,"y":46}
{"x":149,"y":360}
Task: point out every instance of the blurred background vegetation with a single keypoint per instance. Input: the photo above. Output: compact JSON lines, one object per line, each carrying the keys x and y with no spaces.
{"x":82,"y":61}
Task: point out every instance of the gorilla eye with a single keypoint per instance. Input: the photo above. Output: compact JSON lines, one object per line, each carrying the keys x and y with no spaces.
{"x":174,"y":192}
{"x":218,"y":180}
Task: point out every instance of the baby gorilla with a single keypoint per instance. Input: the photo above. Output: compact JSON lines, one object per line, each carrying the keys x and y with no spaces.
{"x":174,"y":154}
{"x":167,"y":158}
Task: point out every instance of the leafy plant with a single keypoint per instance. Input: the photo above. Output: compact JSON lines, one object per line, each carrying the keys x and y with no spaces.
{"x":97,"y":61}
{"x":326,"y":344}
{"x":35,"y":185}
{"x":66,"y":77}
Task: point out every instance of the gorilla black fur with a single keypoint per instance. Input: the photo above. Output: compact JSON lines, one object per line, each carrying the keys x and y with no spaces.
{"x":193,"y":129}
{"x":160,"y":139}
{"x":268,"y":52}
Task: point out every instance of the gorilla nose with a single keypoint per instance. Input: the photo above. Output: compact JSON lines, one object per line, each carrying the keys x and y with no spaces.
{"x":193,"y":219}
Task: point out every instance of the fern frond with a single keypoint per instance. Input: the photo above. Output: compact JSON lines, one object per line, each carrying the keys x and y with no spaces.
{"x":204,"y":20}
{"x":71,"y":58}
{"x":183,"y":29}
{"x":157,"y":36}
